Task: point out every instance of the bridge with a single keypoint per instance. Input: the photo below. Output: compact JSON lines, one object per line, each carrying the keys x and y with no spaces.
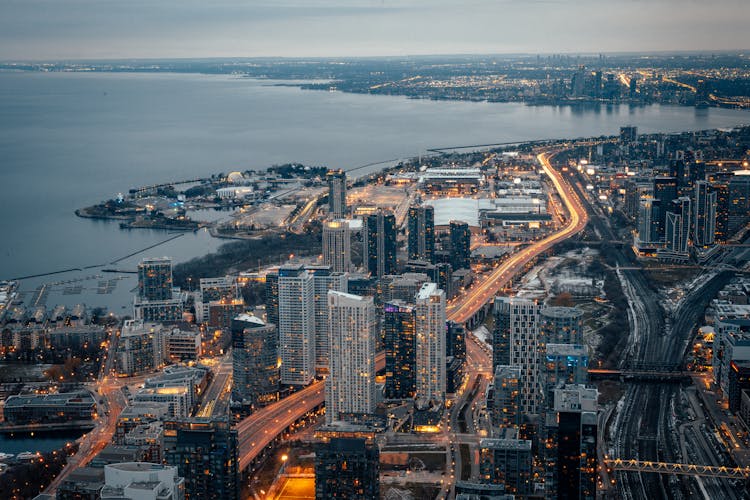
{"x":662,"y":375}
{"x":683,"y":469}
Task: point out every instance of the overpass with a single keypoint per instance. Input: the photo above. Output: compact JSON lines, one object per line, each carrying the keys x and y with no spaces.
{"x":674,"y":376}
{"x":683,"y":469}
{"x":256,"y":432}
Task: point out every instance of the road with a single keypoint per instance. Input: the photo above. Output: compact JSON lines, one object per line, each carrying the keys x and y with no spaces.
{"x":216,"y":398}
{"x":259,"y":429}
{"x":484,"y":290}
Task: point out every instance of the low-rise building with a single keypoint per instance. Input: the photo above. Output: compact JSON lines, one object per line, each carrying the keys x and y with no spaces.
{"x":49,"y":408}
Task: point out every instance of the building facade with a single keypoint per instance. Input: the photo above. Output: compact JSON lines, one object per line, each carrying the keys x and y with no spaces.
{"x":296,"y":325}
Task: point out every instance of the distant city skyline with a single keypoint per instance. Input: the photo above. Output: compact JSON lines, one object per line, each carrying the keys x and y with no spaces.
{"x":87,"y":29}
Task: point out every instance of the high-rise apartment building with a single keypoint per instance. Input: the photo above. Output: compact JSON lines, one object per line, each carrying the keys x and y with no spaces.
{"x":296,"y":325}
{"x":704,"y":232}
{"x":336,"y":193}
{"x":155,"y":279}
{"x":563,"y":364}
{"x":507,"y":461}
{"x":324,"y":280}
{"x":504,"y":397}
{"x":460,"y":236}
{"x":430,"y":328}
{"x":255,"y":362}
{"x":337,"y":245}
{"x":379,"y":243}
{"x":561,"y":325}
{"x":739,"y":201}
{"x":399,"y":326}
{"x":140,"y":348}
{"x":518,"y":338}
{"x":421,"y":233}
{"x":677,"y":234}
{"x":350,"y":385}
{"x":665,"y":190}
{"x":272,"y":297}
{"x":205,"y":452}
{"x":347,"y":467}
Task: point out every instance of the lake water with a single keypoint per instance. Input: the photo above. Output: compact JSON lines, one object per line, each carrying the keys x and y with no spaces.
{"x":69,"y":140}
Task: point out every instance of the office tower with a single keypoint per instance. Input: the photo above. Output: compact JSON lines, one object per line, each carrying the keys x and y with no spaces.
{"x":350,"y":386}
{"x":421,"y":229}
{"x":561,"y":325}
{"x":597,"y":84}
{"x":633,"y":88}
{"x":665,"y":190}
{"x":460,"y":245}
{"x":739,"y":201}
{"x":399,"y":326}
{"x":507,"y":461}
{"x":324,"y":280}
{"x":347,"y":468}
{"x":336,"y":193}
{"x":142,"y":480}
{"x":255,"y":362}
{"x":504,"y":397}
{"x":578,"y":82}
{"x":677,"y":235}
{"x":563,"y":364}
{"x":204,"y":450}
{"x":379,"y":243}
{"x":296,"y":325}
{"x":572,"y":452}
{"x":155,"y":279}
{"x":702,"y":94}
{"x":518,"y":336}
{"x":611,"y":87}
{"x":337,"y":245}
{"x":272,"y":298}
{"x":430,"y":326}
{"x":705,"y":215}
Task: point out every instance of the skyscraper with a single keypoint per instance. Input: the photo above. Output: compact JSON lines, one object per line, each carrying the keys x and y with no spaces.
{"x":504,"y":397}
{"x":350,"y":386}
{"x":705,"y":215}
{"x":720,"y":185}
{"x":665,"y":190}
{"x":460,"y":244}
{"x":572,"y":450}
{"x":563,"y":364}
{"x":523,"y":347}
{"x":296,"y":325}
{"x":255,"y":367}
{"x":379,"y":243}
{"x":347,"y":468}
{"x":399,"y":325}
{"x":272,"y":298}
{"x":507,"y":461}
{"x":678,"y":219}
{"x":430,"y":327}
{"x":336,"y":193}
{"x":739,"y":201}
{"x":324,"y":280}
{"x":421,"y":229}
{"x":337,"y":245}
{"x":204,"y":450}
{"x":155,"y":279}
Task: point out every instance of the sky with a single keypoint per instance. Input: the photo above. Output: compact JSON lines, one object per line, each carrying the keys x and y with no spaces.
{"x":107,"y":29}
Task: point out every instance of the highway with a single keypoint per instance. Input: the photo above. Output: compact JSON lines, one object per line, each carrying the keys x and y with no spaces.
{"x":259,"y":429}
{"x":484,"y":290}
{"x":215,"y":401}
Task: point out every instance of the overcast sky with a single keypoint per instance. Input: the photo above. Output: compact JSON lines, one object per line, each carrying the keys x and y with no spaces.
{"x":80,"y":29}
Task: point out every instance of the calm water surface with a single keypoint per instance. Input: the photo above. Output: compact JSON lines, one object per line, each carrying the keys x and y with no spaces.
{"x":72,"y":139}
